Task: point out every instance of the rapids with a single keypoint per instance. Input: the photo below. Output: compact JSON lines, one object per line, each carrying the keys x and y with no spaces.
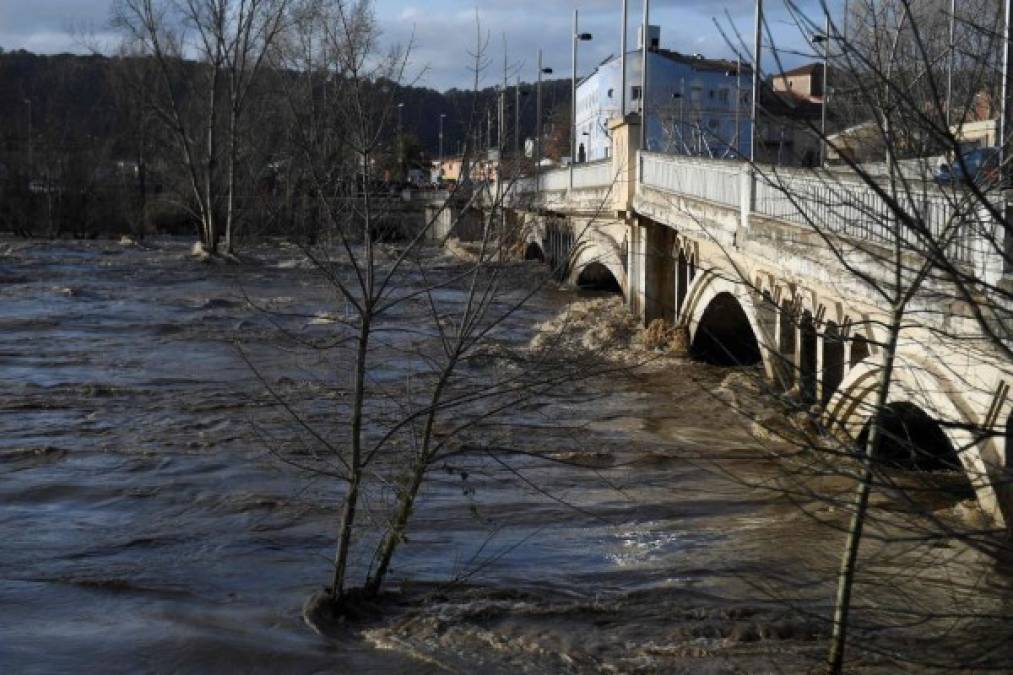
{"x":149,"y":524}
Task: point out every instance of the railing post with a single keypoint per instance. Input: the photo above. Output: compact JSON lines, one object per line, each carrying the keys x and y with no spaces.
{"x":747,"y":199}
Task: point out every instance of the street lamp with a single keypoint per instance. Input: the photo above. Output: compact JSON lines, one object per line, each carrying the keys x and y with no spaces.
{"x":824,"y":39}
{"x":577,"y":38}
{"x":400,"y":143}
{"x":538,"y":111}
{"x":645,"y":39}
{"x":442,"y":116}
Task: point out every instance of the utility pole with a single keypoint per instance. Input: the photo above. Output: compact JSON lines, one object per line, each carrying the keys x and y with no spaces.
{"x":754,"y":110}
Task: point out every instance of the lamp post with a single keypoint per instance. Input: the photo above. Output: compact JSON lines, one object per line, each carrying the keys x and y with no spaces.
{"x":1004,"y":121}
{"x":755,"y":103}
{"x":824,"y":39}
{"x":538,"y":111}
{"x":949,"y":67}
{"x":645,"y":39}
{"x":442,"y":116}
{"x":517,"y":118}
{"x":577,"y":37}
{"x":400,"y":142}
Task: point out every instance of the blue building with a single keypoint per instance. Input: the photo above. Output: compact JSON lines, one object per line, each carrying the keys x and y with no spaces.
{"x":695,"y":106}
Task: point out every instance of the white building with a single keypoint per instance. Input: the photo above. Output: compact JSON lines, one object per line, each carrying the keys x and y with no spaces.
{"x":695,"y":106}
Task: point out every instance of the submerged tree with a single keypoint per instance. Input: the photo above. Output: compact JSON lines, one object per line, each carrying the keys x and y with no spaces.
{"x":208,"y":56}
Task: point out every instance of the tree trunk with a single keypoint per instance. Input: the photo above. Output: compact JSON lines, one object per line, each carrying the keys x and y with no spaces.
{"x":355,"y":465}
{"x":846,"y":573}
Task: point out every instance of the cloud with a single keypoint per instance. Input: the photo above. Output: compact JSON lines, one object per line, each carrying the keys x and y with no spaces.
{"x":444,"y":30}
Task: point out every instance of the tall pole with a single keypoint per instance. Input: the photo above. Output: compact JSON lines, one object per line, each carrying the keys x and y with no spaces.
{"x":754,"y":110}
{"x":622,"y":62}
{"x":950,"y":65}
{"x":1004,"y":115}
{"x":826,"y":92}
{"x":738,"y":103}
{"x":573,"y":90}
{"x":442,"y":115}
{"x":503,"y":103}
{"x":517,"y":117}
{"x":645,"y":39}
{"x":400,"y":142}
{"x":538,"y":115}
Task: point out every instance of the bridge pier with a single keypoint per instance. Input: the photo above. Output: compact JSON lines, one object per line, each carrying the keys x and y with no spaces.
{"x":658,"y":271}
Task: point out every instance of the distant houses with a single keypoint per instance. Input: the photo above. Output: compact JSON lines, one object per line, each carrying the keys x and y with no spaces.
{"x":695,"y":106}
{"x":701,"y":107}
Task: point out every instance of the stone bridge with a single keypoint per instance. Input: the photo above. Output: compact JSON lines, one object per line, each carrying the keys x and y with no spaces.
{"x":760,"y":266}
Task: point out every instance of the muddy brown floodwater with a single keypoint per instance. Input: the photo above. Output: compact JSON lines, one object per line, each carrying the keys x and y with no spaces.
{"x":146,"y":527}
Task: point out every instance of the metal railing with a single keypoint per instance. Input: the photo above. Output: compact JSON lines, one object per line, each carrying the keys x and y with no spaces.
{"x":714,"y":180}
{"x":592,"y":175}
{"x":846,"y":208}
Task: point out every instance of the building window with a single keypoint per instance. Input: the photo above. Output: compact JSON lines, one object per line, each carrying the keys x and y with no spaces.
{"x":723,"y":96}
{"x":610,"y":93}
{"x":636,"y":94}
{"x":710,"y":94}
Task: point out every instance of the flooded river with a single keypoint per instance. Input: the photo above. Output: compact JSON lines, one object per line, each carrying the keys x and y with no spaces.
{"x":148,"y":523}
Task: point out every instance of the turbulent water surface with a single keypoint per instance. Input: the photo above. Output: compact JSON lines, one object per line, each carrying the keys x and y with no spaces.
{"x":148,"y":524}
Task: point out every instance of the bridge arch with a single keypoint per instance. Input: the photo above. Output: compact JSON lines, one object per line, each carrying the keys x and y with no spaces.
{"x":833,"y":361}
{"x":593,"y":262}
{"x":717,"y":307}
{"x":915,"y":385}
{"x":597,"y":276}
{"x":533,"y":251}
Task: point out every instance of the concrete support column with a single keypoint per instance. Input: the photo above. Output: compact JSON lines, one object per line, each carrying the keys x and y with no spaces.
{"x":625,"y":133}
{"x":637,"y":300}
{"x":659,"y":272}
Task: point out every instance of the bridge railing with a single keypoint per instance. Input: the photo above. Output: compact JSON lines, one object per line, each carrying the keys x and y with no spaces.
{"x":524,"y":185}
{"x":714,"y":180}
{"x":853,"y":209}
{"x":592,"y":175}
{"x":554,"y":180}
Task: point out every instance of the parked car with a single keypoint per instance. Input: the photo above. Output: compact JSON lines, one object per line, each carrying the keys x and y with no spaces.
{"x":979,"y":166}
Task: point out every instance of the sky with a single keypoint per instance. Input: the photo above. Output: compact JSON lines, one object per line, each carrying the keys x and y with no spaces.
{"x":443,"y":32}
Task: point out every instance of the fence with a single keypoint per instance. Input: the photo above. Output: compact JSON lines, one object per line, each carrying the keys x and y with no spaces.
{"x":592,"y":175}
{"x":554,"y":180}
{"x":846,"y":208}
{"x":711,"y":179}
